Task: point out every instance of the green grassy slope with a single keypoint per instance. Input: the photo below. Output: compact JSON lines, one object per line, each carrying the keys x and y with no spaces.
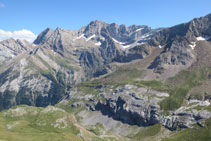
{"x":28,"y":123}
{"x":24,"y":123}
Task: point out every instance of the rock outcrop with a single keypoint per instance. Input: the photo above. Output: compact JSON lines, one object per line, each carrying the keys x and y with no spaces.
{"x":129,"y":109}
{"x":12,"y":48}
{"x":134,"y":105}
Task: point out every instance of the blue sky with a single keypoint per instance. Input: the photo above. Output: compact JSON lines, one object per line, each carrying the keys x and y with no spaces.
{"x":36,"y":15}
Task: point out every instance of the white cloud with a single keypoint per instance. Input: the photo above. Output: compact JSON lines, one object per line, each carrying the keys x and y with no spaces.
{"x":2,"y":5}
{"x":20,"y":34}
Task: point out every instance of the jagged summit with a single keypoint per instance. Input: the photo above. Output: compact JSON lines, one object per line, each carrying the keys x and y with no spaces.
{"x":11,"y":48}
{"x":178,"y":43}
{"x":94,"y":35}
{"x":97,"y":22}
{"x":43,"y":36}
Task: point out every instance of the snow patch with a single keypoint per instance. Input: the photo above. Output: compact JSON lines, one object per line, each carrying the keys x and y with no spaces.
{"x":121,"y":43}
{"x":146,"y":36}
{"x":126,"y":46}
{"x":53,"y":52}
{"x":139,"y":29}
{"x":102,"y":38}
{"x":202,"y":38}
{"x":81,"y":36}
{"x":140,"y":43}
{"x":193,"y":45}
{"x":89,"y":38}
{"x":98,"y":43}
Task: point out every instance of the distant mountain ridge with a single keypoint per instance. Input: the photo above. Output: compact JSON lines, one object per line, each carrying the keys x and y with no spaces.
{"x":44,"y":72}
{"x":11,"y":48}
{"x":179,"y":41}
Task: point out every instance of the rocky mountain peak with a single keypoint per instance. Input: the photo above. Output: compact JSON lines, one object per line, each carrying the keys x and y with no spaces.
{"x":43,"y":36}
{"x":94,"y":27}
{"x":58,"y":29}
{"x":179,"y":43}
{"x":15,"y":43}
{"x":124,"y":36}
{"x":9,"y":42}
{"x":11,"y":48}
{"x":97,"y":22}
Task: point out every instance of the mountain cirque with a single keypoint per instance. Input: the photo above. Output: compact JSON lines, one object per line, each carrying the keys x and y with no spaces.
{"x":114,"y":77}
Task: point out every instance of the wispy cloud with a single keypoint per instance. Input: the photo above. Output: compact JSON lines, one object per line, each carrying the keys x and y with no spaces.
{"x":19,"y":34}
{"x":2,"y":4}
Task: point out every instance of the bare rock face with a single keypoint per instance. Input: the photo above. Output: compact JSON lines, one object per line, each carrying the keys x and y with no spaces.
{"x":128,"y":104}
{"x":12,"y":48}
{"x":185,"y":119}
{"x":178,"y":43}
{"x":130,"y":110}
{"x":43,"y":36}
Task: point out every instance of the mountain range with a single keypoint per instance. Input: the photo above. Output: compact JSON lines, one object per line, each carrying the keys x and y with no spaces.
{"x":124,"y":79}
